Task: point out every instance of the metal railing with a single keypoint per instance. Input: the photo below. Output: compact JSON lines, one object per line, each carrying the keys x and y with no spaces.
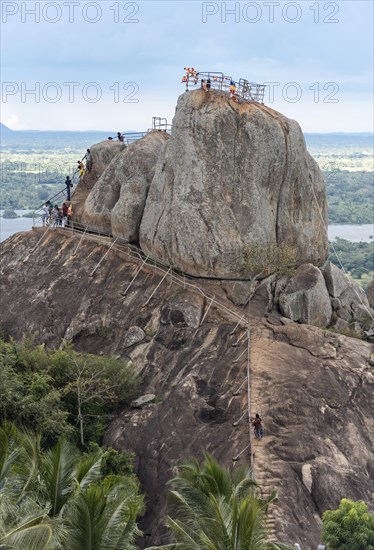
{"x":249,"y":91}
{"x":159,"y":123}
{"x":130,"y":137}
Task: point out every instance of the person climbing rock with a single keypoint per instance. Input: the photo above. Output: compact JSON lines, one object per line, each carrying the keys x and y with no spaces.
{"x":69,"y":185}
{"x":88,"y":158}
{"x":81,"y":169}
{"x":257,"y":425}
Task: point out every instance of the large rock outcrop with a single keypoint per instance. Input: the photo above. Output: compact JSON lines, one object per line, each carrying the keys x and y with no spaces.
{"x":233,"y":173}
{"x":116,"y":202}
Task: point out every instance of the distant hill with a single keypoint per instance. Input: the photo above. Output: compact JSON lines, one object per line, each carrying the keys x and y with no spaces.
{"x":4,"y":129}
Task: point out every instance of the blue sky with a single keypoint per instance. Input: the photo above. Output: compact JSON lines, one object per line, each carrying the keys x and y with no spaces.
{"x":319,"y":55}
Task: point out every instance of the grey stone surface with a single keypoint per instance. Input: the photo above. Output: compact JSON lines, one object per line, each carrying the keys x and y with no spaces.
{"x":342,"y":326}
{"x":352,"y":297}
{"x":232,"y":174}
{"x":305,"y":299}
{"x":286,"y":321}
{"x":237,"y":291}
{"x":132,"y":336}
{"x":116,"y":201}
{"x":103,"y":153}
{"x":143,"y":400}
{"x":183,"y":311}
{"x":336,"y":280}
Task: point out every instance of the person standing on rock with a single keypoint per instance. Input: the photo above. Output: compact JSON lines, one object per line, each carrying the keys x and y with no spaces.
{"x":120,"y":137}
{"x":69,"y":185}
{"x":208,"y":84}
{"x":55,"y":216}
{"x":64,"y":214}
{"x":69,"y":214}
{"x":232,"y":89}
{"x":257,"y":425}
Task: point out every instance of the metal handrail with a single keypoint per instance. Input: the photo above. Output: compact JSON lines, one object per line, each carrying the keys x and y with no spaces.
{"x":249,"y":91}
{"x":159,"y":123}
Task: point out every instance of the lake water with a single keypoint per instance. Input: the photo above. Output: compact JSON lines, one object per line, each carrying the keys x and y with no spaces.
{"x":9,"y":227}
{"x":354,"y":233}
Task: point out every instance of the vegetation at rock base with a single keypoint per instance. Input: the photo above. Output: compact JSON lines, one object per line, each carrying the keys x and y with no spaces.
{"x":350,"y":527}
{"x":357,"y":258}
{"x":214,"y":507}
{"x":58,"y":498}
{"x":258,"y":260}
{"x":55,"y":392}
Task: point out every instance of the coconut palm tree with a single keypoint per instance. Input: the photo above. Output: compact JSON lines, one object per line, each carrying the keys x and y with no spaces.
{"x":103,"y":517}
{"x":218,"y":509}
{"x":55,"y":499}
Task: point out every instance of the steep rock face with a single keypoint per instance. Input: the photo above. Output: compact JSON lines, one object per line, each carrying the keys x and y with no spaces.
{"x":231,"y":174}
{"x":103,"y":153}
{"x":116,"y":202}
{"x":309,"y":386}
{"x":312,"y":388}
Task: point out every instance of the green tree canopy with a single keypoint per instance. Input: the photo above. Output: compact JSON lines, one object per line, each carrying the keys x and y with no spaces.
{"x":350,"y":527}
{"x":55,"y":391}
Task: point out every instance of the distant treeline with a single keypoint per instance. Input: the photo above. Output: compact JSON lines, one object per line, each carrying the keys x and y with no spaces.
{"x":350,"y":196}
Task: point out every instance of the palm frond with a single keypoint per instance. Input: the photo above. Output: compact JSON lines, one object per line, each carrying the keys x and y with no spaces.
{"x":58,"y":474}
{"x":88,"y":470}
{"x":35,"y":533}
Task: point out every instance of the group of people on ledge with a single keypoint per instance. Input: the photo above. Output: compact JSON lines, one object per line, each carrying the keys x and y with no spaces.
{"x":193,"y":76}
{"x":119,"y":136}
{"x":56,"y":216}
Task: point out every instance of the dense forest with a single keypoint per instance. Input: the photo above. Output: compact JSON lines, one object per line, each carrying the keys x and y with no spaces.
{"x":350,"y":196}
